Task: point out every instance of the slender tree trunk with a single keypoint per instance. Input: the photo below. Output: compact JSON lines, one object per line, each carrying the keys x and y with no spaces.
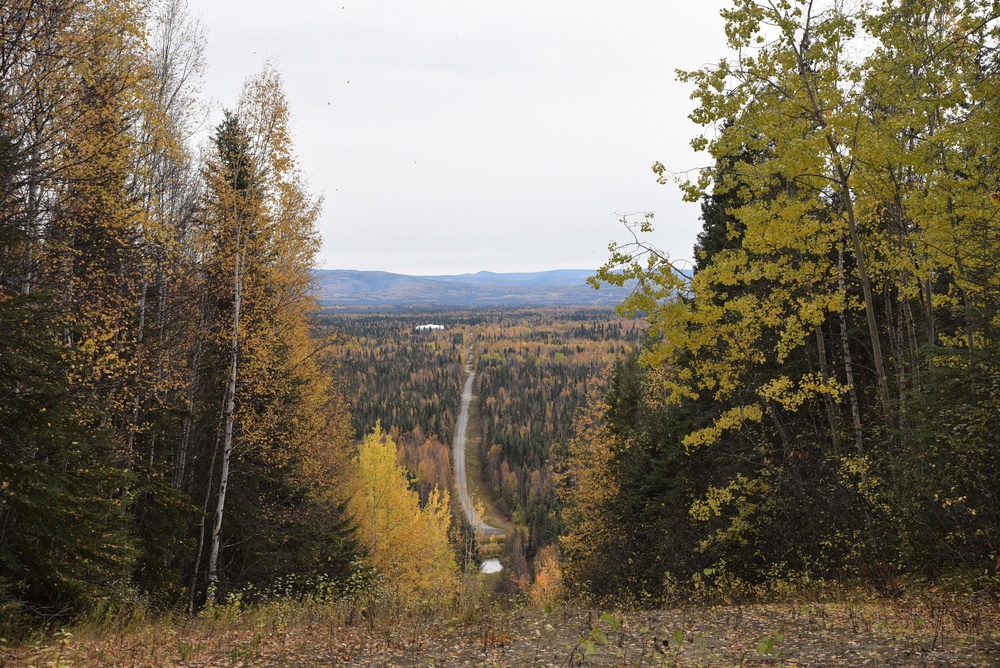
{"x":201,"y":528}
{"x":187,"y":427}
{"x":911,"y":335}
{"x":970,"y":339}
{"x":929,"y":308}
{"x":3,"y":525}
{"x":844,"y":186}
{"x":230,"y":410}
{"x":852,"y":393}
{"x":133,"y":426}
{"x":866,"y":286}
{"x":28,"y":273}
{"x":895,"y":322}
{"x":786,"y":439}
{"x":824,"y":371}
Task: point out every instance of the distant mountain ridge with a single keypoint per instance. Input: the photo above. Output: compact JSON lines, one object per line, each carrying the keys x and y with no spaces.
{"x":344,"y":289}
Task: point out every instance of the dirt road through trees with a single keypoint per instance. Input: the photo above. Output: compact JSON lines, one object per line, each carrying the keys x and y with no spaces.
{"x":458,"y":456}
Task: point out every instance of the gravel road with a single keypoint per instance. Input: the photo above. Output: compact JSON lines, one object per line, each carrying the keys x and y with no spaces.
{"x":458,"y":456}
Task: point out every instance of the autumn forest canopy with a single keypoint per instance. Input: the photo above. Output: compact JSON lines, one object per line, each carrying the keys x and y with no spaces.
{"x":820,"y":399}
{"x":817,"y":402}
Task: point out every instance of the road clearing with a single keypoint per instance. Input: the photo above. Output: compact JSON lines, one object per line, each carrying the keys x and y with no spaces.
{"x":458,"y":456}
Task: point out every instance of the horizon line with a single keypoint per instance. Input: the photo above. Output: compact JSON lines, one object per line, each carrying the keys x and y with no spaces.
{"x":463,"y":273}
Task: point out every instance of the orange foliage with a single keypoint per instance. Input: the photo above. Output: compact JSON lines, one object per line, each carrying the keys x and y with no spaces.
{"x":547,"y":589}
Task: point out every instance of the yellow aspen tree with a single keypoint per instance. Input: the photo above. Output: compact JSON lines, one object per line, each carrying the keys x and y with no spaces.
{"x":788,"y":95}
{"x":405,"y":542}
{"x":932,"y":92}
{"x":736,"y":332}
{"x":277,"y":407}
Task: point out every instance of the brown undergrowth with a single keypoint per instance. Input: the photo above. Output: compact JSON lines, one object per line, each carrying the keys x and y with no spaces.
{"x":927,"y":628}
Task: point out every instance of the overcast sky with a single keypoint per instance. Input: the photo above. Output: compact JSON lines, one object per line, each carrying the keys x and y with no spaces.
{"x":461,"y":135}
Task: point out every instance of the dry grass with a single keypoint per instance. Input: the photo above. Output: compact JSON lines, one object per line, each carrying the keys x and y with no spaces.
{"x":923,"y":629}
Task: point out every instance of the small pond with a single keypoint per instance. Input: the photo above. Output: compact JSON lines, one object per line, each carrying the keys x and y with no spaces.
{"x":491,"y":566}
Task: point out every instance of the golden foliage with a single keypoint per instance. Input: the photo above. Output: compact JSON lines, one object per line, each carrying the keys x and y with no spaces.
{"x":406,"y":543}
{"x":547,"y":588}
{"x":587,"y":486}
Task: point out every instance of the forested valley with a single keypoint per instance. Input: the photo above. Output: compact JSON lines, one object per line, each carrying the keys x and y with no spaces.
{"x":782,"y":453}
{"x":534,"y":369}
{"x":170,"y":428}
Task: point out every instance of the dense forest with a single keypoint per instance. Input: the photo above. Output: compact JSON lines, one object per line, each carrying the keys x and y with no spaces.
{"x":820,"y":400}
{"x":815,"y":402}
{"x":397,"y":375}
{"x":169,"y":426}
{"x":533,"y":371}
{"x":405,"y":381}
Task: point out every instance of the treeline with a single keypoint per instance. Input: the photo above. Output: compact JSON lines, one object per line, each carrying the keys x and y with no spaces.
{"x":820,"y":399}
{"x":404,"y":378}
{"x":408,"y":382}
{"x":168,"y":425}
{"x":533,"y":370}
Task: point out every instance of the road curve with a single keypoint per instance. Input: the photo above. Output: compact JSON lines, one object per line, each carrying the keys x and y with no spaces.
{"x":458,"y":456}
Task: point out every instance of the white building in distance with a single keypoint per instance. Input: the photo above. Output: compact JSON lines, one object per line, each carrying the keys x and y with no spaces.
{"x":424,"y":328}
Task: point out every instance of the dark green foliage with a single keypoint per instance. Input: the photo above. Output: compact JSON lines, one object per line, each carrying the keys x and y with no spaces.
{"x":532,"y":378}
{"x":402,"y":378}
{"x":950,"y":468}
{"x":233,"y":147}
{"x":720,"y":229}
{"x":64,"y":528}
{"x":163,"y":517}
{"x":278,"y":531}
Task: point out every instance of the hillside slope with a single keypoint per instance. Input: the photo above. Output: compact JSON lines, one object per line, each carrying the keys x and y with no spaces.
{"x":348,"y":289}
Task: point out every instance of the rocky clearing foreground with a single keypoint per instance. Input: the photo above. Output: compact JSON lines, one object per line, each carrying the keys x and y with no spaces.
{"x":959,"y":632}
